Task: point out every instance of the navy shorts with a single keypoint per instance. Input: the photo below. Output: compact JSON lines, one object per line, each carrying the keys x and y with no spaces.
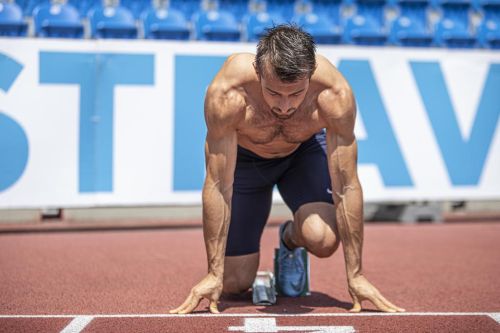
{"x":300,"y":177}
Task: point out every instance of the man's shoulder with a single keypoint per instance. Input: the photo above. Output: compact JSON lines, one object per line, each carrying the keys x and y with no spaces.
{"x":225,"y":101}
{"x":226,"y":92}
{"x":327,"y":75}
{"x":336,"y":101}
{"x":238,"y":69}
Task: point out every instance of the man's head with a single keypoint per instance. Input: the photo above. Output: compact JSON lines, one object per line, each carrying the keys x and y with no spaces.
{"x":285,"y":62}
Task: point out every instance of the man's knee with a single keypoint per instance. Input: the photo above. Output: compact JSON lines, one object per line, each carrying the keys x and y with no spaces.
{"x":319,"y":237}
{"x":239,"y":273}
{"x":317,"y":229}
{"x":235,"y":285}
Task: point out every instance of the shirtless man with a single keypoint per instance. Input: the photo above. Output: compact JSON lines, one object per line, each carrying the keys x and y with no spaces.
{"x":266,"y":116}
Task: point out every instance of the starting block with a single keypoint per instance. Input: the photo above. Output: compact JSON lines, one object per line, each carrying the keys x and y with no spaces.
{"x":264,"y":289}
{"x":305,"y":257}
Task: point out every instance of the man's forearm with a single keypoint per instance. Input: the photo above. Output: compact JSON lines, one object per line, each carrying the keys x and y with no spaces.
{"x":216,"y":217}
{"x":349,"y":212}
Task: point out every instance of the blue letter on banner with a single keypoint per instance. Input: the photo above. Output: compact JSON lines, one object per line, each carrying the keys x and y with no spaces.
{"x":193,"y":74}
{"x":464,"y":158}
{"x":380,"y":147}
{"x":14,"y":146}
{"x":97,"y":74}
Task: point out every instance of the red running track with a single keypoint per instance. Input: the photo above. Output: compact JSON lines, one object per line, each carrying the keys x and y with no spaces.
{"x":445,"y":275}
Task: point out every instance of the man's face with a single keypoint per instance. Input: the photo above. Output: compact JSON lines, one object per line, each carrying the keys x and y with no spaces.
{"x":282,"y":97}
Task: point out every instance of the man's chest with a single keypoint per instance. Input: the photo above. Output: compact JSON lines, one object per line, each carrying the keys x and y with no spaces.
{"x":260,"y":126}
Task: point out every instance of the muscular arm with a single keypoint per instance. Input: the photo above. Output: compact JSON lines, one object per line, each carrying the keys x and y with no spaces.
{"x":347,"y":192}
{"x":220,"y":152}
{"x":223,"y":108}
{"x":339,"y":110}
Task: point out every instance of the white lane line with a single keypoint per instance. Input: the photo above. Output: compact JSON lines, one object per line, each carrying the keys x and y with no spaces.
{"x":493,"y":315}
{"x":77,"y":324}
{"x":268,"y":325}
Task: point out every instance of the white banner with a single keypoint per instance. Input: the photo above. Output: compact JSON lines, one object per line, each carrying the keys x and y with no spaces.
{"x":99,"y":123}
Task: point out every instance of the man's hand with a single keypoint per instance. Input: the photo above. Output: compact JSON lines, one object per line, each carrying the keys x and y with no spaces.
{"x":361,"y":290}
{"x":210,"y":288}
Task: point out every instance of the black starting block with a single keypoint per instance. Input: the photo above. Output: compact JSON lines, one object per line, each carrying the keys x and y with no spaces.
{"x":264,"y":289}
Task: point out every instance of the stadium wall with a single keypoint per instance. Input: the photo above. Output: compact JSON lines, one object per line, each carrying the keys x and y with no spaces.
{"x":88,"y":123}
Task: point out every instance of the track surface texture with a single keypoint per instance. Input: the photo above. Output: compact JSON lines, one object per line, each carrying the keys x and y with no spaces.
{"x":445,"y":275}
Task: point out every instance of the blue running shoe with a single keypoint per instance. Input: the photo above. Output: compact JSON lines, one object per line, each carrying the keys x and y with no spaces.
{"x":292,"y":269}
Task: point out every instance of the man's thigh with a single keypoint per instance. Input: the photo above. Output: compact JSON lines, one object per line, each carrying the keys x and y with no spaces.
{"x":249,"y":214}
{"x":250,"y":205}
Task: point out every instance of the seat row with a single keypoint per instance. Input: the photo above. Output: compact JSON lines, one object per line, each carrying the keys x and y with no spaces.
{"x":239,"y":8}
{"x":324,"y":20}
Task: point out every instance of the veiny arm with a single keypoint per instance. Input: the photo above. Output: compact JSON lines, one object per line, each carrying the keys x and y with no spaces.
{"x":340,"y":110}
{"x":220,"y":153}
{"x":222,"y":109}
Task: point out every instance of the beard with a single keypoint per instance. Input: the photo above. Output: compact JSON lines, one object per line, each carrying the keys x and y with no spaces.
{"x":277,"y":113}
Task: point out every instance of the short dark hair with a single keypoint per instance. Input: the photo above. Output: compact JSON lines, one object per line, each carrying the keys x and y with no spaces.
{"x":288,"y":50}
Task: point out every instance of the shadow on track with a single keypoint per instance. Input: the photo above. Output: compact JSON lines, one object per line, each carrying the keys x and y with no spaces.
{"x":289,"y":305}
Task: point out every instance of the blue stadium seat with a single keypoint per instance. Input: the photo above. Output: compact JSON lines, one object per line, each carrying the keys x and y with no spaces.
{"x":454,"y":28}
{"x":112,"y":22}
{"x":284,"y":8}
{"x":238,"y":8}
{"x":367,"y":27}
{"x":216,"y":25}
{"x":84,"y":6}
{"x":163,"y":23}
{"x":188,"y":7}
{"x":257,"y":23}
{"x":412,"y":28}
{"x":11,"y":20}
{"x":489,"y":30}
{"x":57,"y":21}
{"x":137,"y":7}
{"x":30,"y":5}
{"x":323,"y":30}
{"x":21,"y":4}
{"x":330,"y":8}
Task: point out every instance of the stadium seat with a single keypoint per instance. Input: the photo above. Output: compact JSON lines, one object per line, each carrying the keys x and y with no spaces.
{"x":320,"y":27}
{"x":11,"y":20}
{"x":84,"y":6}
{"x":454,"y":28}
{"x":136,"y":7}
{"x":30,"y":5}
{"x":187,"y":7}
{"x":163,"y":23}
{"x":330,"y":8}
{"x":367,"y":27}
{"x":112,"y":22}
{"x":216,"y":25}
{"x":57,"y":21}
{"x":238,"y":8}
{"x":489,"y":30}
{"x":411,"y":28}
{"x":257,"y":23}
{"x":283,"y":8}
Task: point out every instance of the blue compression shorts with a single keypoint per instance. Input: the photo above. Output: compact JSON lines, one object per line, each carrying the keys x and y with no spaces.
{"x":301,"y":177}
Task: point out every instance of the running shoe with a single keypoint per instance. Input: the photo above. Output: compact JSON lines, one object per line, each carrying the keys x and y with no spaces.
{"x":292,"y":268}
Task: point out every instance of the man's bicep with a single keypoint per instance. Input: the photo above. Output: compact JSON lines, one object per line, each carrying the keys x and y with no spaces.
{"x":220,"y":155}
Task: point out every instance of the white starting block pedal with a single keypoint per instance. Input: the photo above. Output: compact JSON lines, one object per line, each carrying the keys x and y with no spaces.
{"x":264,"y":289}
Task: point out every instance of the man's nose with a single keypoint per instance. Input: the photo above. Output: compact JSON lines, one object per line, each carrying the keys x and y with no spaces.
{"x":284,"y":105}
